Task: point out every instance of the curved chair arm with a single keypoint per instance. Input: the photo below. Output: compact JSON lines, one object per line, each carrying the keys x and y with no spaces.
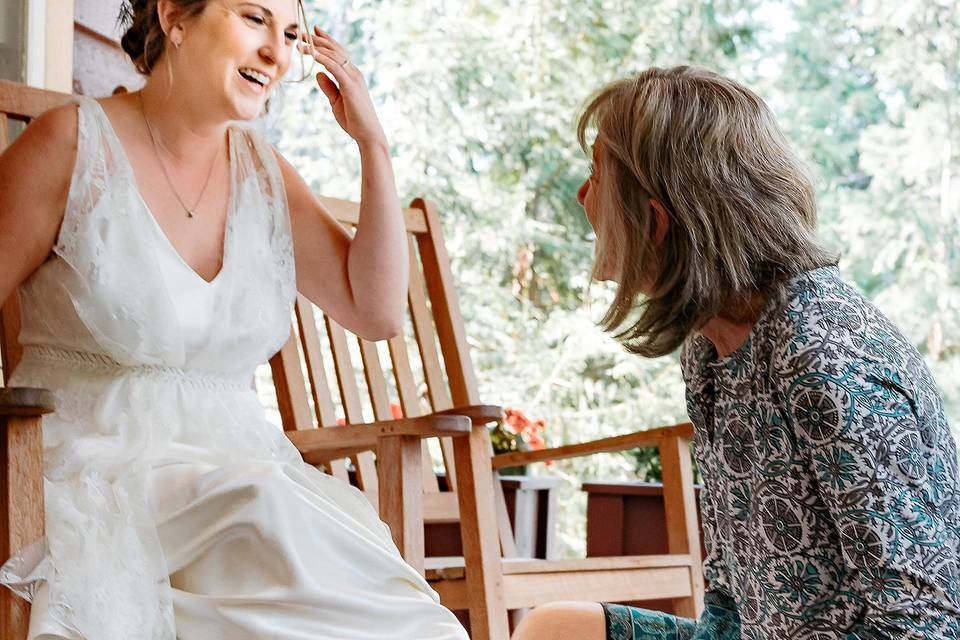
{"x":648,"y":438}
{"x":478,"y":413}
{"x":22,"y":401}
{"x":331,"y":443}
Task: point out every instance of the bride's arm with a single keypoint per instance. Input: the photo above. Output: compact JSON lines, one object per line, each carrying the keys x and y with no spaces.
{"x":361,"y":282}
{"x":34,"y":183}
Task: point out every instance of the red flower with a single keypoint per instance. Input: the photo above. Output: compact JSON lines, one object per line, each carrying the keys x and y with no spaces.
{"x":525,"y":431}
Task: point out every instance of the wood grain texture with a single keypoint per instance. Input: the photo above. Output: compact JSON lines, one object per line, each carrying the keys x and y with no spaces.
{"x":650,"y":438}
{"x":481,"y":548}
{"x":367,"y":434}
{"x":289,"y":384}
{"x":446,"y":309}
{"x":425,"y":335}
{"x":410,"y":403}
{"x":21,"y":401}
{"x":21,"y":503}
{"x":319,"y":387}
{"x":376,"y":382}
{"x":401,"y":496}
{"x":680,"y":511}
{"x":535,"y":588}
{"x":23,"y":103}
{"x":350,"y":399}
{"x":347,"y":212}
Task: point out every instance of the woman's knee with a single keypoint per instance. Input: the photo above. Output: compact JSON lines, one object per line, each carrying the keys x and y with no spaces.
{"x":562,"y":620}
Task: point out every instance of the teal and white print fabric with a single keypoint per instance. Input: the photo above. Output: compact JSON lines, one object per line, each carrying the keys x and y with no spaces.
{"x":831,"y":508}
{"x":718,"y":622}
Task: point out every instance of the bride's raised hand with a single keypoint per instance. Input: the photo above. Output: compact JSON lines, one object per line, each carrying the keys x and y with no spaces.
{"x":349,"y":97}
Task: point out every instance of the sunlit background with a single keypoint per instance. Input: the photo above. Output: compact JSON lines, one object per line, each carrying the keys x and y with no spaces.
{"x":480,"y":99}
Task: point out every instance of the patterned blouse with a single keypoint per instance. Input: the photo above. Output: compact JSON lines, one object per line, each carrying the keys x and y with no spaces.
{"x":832,"y":507}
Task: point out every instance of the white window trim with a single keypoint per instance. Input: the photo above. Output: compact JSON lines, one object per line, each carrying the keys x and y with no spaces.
{"x":36,"y":43}
{"x":49,"y":44}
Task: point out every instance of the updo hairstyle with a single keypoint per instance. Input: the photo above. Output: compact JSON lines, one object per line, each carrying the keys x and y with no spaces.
{"x":144,"y":40}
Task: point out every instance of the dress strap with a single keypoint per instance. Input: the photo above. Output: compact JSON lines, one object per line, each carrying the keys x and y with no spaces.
{"x":96,"y":153}
{"x":255,"y":157}
{"x":257,"y":166}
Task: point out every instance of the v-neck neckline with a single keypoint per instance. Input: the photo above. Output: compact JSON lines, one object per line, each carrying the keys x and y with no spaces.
{"x":164,"y":238}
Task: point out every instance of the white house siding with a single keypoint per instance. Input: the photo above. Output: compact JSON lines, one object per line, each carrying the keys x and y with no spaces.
{"x":99,"y":64}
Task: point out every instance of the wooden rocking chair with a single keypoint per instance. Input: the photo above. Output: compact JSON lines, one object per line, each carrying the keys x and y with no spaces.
{"x":489,"y":580}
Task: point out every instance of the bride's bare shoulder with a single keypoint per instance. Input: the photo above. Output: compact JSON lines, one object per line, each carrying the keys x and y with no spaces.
{"x":34,"y":182}
{"x":51,"y":137}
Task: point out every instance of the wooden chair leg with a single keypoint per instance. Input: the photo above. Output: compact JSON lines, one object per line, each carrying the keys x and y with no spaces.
{"x":680,"y":506}
{"x":21,"y":507}
{"x":401,"y":494}
{"x":481,"y":549}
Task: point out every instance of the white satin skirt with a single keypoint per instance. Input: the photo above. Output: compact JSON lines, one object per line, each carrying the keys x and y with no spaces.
{"x":268,"y":550}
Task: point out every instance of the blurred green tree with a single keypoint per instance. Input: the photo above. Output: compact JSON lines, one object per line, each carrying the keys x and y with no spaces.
{"x":480,"y":101}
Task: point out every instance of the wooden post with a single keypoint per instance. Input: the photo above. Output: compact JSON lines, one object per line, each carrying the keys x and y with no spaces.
{"x":21,"y":490}
{"x":481,"y":549}
{"x":680,"y":511}
{"x":401,"y":494}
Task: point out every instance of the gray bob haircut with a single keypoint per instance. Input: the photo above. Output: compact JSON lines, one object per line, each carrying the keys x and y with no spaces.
{"x":740,"y":205}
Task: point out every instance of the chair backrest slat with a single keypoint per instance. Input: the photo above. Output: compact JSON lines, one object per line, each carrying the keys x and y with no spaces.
{"x":403,"y":376}
{"x":446,"y":310}
{"x":310,"y":342}
{"x":350,"y":398}
{"x":410,"y":402}
{"x":319,"y":386}
{"x":424,"y":333}
{"x":376,"y":383}
{"x":291,"y":390}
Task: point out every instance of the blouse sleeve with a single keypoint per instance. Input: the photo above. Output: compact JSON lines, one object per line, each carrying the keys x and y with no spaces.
{"x":883,"y":478}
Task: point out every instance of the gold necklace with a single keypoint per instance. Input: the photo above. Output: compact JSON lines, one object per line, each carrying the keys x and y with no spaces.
{"x":156,"y":150}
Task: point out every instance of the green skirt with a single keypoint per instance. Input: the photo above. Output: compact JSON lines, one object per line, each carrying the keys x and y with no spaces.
{"x":719,"y":621}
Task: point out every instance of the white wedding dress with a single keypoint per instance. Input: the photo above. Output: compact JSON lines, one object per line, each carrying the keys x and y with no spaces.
{"x":173,"y":509}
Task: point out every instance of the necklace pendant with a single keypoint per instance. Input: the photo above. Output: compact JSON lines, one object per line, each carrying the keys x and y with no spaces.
{"x":189,"y":213}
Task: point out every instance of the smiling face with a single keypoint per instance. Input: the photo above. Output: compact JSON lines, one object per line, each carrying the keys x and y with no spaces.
{"x":234,"y":53}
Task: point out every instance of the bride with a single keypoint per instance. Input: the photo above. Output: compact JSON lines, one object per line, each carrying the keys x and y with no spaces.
{"x":158,"y":247}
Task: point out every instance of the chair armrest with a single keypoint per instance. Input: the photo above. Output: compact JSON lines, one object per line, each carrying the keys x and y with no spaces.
{"x":20,"y":401}
{"x":478,"y":413}
{"x":331,"y":443}
{"x":648,"y":438}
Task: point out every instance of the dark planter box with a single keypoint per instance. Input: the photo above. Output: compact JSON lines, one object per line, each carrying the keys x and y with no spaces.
{"x":627,"y":519}
{"x":532,"y":506}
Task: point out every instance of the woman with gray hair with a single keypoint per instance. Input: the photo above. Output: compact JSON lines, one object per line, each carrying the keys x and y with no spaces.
{"x":830,"y":506}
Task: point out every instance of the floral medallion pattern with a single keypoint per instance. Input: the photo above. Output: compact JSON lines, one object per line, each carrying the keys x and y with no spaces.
{"x":718,"y":622}
{"x":831,"y":508}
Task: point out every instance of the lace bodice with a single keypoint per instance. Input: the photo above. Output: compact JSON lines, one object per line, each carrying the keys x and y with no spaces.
{"x":105,"y":291}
